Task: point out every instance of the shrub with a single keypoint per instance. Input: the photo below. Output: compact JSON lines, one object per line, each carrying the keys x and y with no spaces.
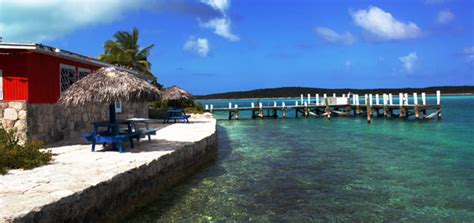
{"x":13,"y":155}
{"x":157,"y":113}
{"x":198,"y":109}
{"x":158,"y":108}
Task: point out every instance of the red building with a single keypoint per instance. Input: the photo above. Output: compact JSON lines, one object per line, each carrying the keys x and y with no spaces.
{"x":32,"y":78}
{"x":38,"y":74}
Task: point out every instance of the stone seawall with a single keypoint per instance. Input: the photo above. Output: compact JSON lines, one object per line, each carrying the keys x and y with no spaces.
{"x":84,"y":186}
{"x":53,"y":122}
{"x":13,"y":115}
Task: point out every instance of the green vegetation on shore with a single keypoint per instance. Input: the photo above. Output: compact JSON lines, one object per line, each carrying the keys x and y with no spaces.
{"x":158,"y":108}
{"x":13,"y":155}
{"x":296,"y":91}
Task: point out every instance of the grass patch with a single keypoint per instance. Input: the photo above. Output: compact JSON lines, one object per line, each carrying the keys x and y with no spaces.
{"x":13,"y":155}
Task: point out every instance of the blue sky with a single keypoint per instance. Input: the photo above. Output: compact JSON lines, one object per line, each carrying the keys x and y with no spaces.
{"x":209,"y":46}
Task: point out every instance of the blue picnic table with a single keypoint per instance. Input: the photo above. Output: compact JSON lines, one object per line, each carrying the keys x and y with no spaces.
{"x":119,"y":132}
{"x":176,"y":114}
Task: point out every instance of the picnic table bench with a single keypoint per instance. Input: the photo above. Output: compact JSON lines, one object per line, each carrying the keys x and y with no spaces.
{"x":113,"y":134}
{"x":176,"y":114}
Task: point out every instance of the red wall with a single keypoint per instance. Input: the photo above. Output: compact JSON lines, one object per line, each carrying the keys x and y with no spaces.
{"x":42,"y":74}
{"x":15,"y":74}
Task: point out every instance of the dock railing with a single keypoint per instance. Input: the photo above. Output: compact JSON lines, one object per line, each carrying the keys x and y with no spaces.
{"x":346,"y":105}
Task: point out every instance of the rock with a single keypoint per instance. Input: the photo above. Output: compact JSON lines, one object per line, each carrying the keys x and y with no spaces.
{"x":71,"y":126}
{"x":3,"y":105}
{"x":40,"y":128}
{"x":21,"y":137}
{"x":8,"y":123}
{"x":85,"y":117}
{"x":17,"y":105}
{"x":20,"y":125}
{"x":22,"y":115}
{"x":10,"y":114}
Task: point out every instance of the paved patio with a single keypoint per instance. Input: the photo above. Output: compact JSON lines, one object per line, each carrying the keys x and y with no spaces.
{"x":75,"y":168}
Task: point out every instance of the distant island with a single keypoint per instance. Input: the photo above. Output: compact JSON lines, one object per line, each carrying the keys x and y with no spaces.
{"x":297,"y":91}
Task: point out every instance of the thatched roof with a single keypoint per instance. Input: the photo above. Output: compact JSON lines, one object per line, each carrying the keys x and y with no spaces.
{"x":175,"y":93}
{"x":108,"y":85}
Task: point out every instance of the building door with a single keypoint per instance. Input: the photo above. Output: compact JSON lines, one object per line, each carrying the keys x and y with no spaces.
{"x":1,"y":84}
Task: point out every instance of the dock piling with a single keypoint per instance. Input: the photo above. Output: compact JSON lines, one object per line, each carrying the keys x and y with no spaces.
{"x":327,"y":110}
{"x":357,"y":111}
{"x":306,"y":113}
{"x":236,"y":106}
{"x":369,"y":109}
{"x":423,"y":98}
{"x":438,"y":97}
{"x":283,"y":110}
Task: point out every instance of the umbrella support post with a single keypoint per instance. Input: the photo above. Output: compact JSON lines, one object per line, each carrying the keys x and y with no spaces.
{"x":112,"y":119}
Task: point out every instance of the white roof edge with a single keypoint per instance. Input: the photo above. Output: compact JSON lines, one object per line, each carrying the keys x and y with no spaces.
{"x":63,"y":53}
{"x":22,"y":46}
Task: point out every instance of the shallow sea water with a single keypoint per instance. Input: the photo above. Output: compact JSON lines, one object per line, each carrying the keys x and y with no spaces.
{"x":342,"y":170}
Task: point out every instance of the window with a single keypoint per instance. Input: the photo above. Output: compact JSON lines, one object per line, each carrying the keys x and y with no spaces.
{"x":118,"y":107}
{"x":67,"y":76}
{"x":1,"y":85}
{"x":82,"y":72}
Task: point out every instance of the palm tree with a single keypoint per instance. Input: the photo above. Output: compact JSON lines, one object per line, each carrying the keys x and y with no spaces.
{"x":125,"y":51}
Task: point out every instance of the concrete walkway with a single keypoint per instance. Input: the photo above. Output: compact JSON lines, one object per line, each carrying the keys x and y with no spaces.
{"x":75,"y":168}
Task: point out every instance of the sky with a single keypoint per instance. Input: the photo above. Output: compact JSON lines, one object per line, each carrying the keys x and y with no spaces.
{"x":212,"y":46}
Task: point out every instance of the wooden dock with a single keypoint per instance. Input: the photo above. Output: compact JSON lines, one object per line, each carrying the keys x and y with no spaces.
{"x":343,"y":106}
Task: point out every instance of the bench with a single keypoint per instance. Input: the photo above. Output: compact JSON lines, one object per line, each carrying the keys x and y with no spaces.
{"x":105,"y":132}
{"x":175,"y":115}
{"x":118,"y":139}
{"x":143,"y":133}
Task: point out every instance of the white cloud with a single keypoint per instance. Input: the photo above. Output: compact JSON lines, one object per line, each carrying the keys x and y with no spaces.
{"x":221,"y":27}
{"x":348,"y":66}
{"x":445,"y":16}
{"x":221,"y":5}
{"x":409,"y":61}
{"x":383,"y":25}
{"x":468,"y":53}
{"x":330,"y":36}
{"x":199,"y":46}
{"x":35,"y":21}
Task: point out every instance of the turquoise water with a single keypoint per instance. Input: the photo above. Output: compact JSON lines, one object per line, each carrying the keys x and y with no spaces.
{"x":343,"y":169}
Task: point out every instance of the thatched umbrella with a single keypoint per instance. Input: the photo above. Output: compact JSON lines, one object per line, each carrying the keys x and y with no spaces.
{"x":175,"y":93}
{"x":108,"y":85}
